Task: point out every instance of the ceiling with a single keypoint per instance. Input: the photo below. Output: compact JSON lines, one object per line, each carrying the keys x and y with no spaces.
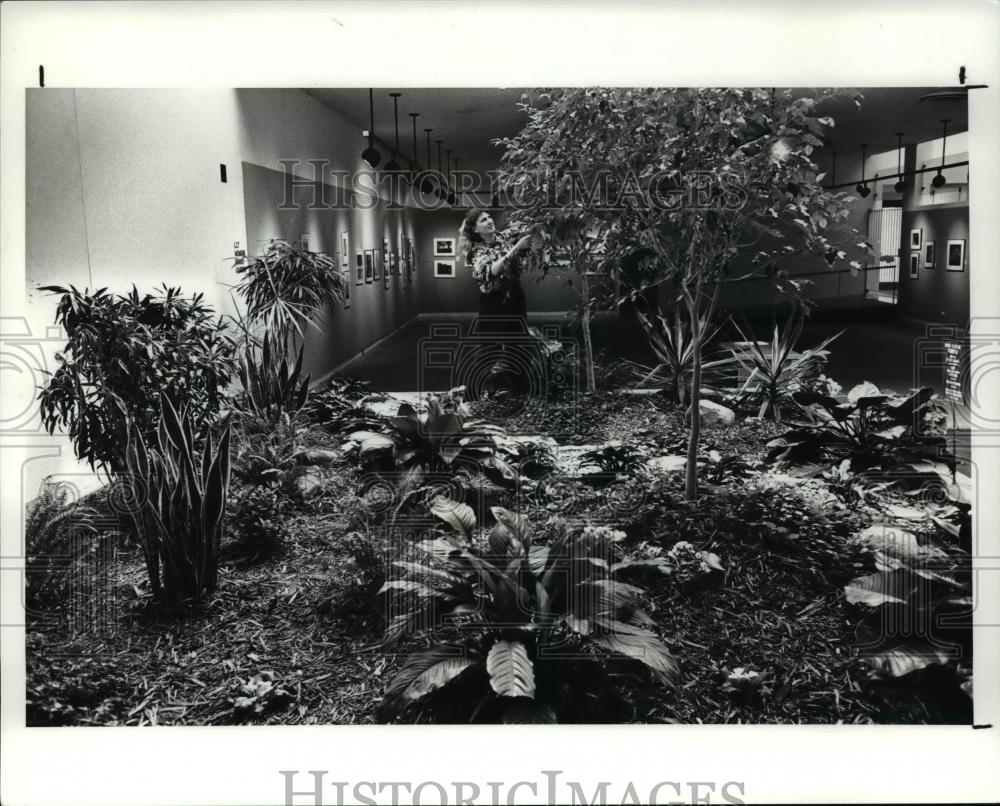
{"x":468,"y":119}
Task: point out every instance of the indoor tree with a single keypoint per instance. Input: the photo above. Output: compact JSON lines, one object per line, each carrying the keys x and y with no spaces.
{"x":711,"y":185}
{"x":552,"y":181}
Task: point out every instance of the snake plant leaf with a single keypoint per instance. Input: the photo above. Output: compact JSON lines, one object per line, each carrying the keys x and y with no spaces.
{"x":510,"y":669}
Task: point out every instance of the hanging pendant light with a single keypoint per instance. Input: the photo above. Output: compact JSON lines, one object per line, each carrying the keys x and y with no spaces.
{"x":939,"y":180}
{"x":900,"y":185}
{"x":451,"y":193}
{"x":392,"y":166}
{"x":370,"y":154}
{"x":440,"y":188}
{"x":862,"y":186}
{"x":426,"y":182}
{"x":414,"y":164}
{"x":456,"y":174}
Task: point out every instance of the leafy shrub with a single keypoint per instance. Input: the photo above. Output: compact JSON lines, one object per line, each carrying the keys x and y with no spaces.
{"x":884,"y":437}
{"x":265,"y":456}
{"x":84,"y":690}
{"x":288,"y":287}
{"x":435,"y":443}
{"x":775,"y":370}
{"x":181,"y":502}
{"x":257,"y":515}
{"x":123,"y":352}
{"x":615,"y":459}
{"x":270,"y":388}
{"x":53,"y":520}
{"x":531,"y":617}
{"x":919,"y":602}
{"x":338,"y":403}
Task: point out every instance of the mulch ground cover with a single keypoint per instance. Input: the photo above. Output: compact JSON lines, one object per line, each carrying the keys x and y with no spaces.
{"x":292,"y":634}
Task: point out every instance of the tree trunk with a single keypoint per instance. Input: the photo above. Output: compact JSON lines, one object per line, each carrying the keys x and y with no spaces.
{"x":588,"y":345}
{"x":694,"y":434}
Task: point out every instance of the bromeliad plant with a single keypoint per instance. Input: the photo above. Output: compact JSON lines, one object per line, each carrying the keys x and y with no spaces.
{"x":775,"y":370}
{"x":123,"y":352}
{"x":180,"y":501}
{"x":521,"y":620}
{"x":885,"y":437}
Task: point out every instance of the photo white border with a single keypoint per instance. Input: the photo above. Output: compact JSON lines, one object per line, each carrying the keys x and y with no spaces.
{"x":791,"y":43}
{"x":450,"y":254}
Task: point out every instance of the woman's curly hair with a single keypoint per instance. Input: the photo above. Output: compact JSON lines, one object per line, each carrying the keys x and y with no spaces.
{"x":467,"y":235}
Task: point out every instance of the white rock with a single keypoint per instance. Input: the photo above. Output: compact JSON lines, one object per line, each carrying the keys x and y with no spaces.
{"x":713,"y":413}
{"x":667,"y":464}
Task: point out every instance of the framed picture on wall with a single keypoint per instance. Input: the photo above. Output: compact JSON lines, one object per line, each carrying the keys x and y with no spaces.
{"x":914,"y":265}
{"x":444,"y":247}
{"x":345,"y":249}
{"x":393,"y":264}
{"x":359,"y":268}
{"x":369,"y":265}
{"x":916,"y":239}
{"x":444,"y":269}
{"x":929,"y":255}
{"x":956,"y":256}
{"x":304,"y":241}
{"x":377,"y":258}
{"x":347,"y":288}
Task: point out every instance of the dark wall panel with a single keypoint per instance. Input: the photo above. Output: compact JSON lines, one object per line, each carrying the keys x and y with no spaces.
{"x":936,"y":295}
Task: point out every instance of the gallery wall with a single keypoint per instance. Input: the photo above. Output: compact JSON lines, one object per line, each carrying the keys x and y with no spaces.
{"x":936,"y":293}
{"x":376,"y":308}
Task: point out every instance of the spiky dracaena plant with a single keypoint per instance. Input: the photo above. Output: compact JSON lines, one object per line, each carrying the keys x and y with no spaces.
{"x":775,"y":371}
{"x":181,"y":498}
{"x":288,"y":287}
{"x":673,"y":346}
{"x":518,"y":622}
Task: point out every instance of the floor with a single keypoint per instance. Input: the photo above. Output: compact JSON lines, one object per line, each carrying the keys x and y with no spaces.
{"x":874,"y":346}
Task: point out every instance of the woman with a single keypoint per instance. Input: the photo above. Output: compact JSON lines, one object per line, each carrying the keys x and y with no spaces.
{"x":495,"y":265}
{"x":496,"y":268}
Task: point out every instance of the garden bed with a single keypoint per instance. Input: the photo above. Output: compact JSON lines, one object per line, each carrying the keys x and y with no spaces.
{"x":292,"y":634}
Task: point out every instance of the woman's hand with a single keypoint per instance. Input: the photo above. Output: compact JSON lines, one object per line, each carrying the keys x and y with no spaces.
{"x":523,"y":244}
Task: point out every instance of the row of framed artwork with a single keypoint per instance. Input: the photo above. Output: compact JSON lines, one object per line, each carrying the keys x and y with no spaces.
{"x":926,"y":251}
